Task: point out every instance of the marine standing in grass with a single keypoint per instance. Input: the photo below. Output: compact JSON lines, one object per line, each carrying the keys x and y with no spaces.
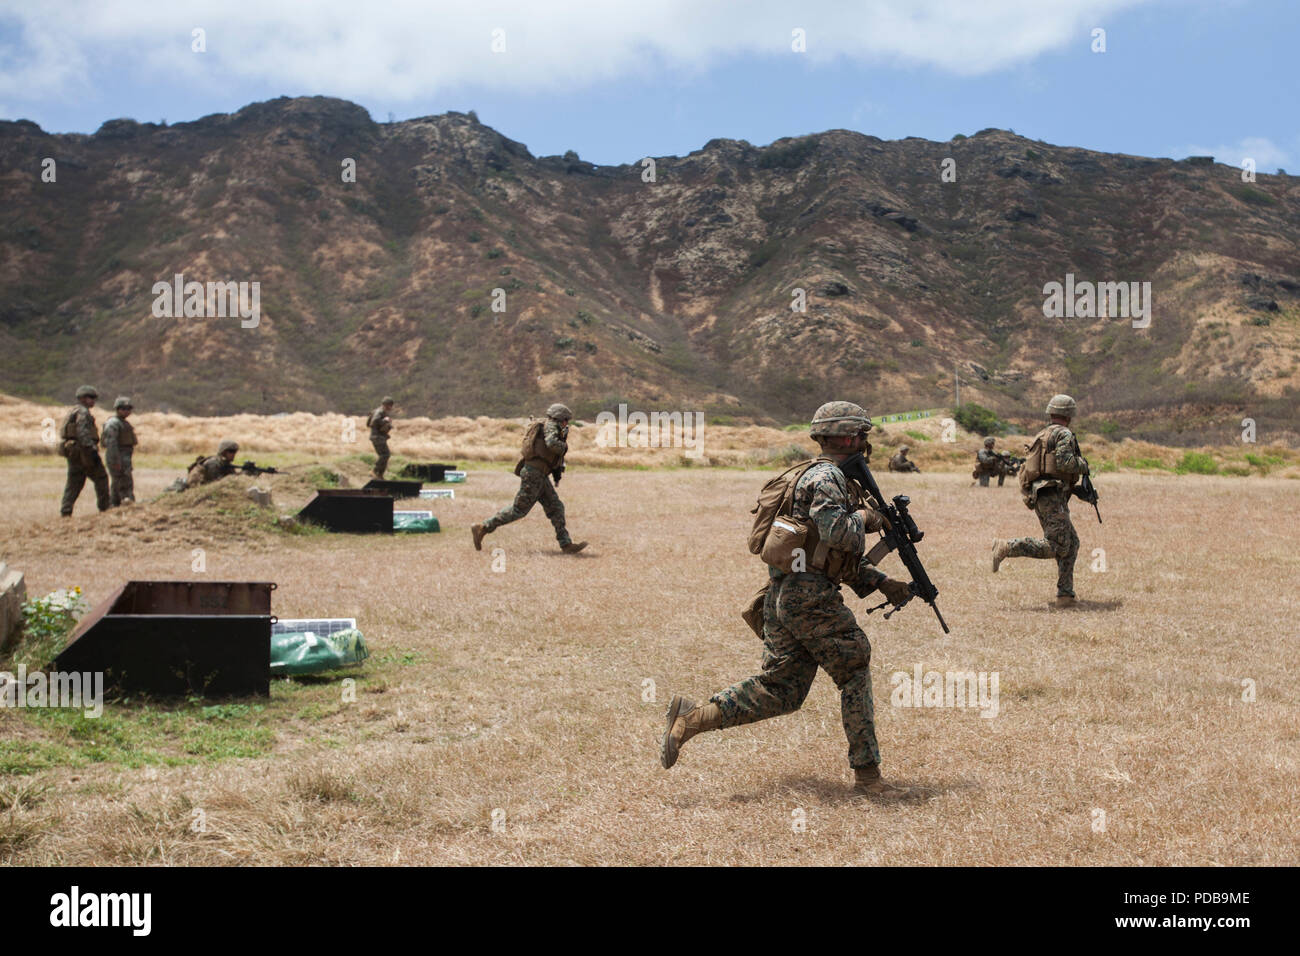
{"x":1052,"y":467}
{"x":988,"y":463}
{"x":805,"y":621}
{"x":381,"y":423}
{"x":79,"y":443}
{"x":900,"y":461}
{"x":119,"y":443}
{"x":541,"y":458}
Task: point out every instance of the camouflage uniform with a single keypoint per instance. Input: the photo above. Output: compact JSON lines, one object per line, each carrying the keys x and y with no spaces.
{"x":213,"y":467}
{"x":900,"y":462}
{"x":988,"y":463}
{"x":381,"y":423}
{"x":81,"y":440}
{"x":807,"y":625}
{"x":119,"y":444}
{"x":535,"y":484}
{"x":1050,"y":499}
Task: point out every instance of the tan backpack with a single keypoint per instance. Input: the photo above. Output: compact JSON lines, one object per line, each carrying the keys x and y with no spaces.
{"x":1040,"y":461}
{"x":531,"y":434}
{"x":776,"y":534}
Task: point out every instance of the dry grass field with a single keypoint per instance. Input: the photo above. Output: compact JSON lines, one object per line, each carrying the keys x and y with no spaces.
{"x":511,"y":715}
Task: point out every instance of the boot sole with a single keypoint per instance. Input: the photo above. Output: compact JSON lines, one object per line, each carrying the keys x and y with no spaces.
{"x":668,"y":749}
{"x":478,"y":540}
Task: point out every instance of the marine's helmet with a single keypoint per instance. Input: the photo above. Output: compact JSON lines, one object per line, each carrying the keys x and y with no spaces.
{"x":988,"y":442}
{"x":226,"y":446}
{"x":123,"y":402}
{"x":839,"y":418}
{"x":387,"y":400}
{"x":902,"y":449}
{"x":1062,"y":405}
{"x":87,"y":391}
{"x":559,"y":412}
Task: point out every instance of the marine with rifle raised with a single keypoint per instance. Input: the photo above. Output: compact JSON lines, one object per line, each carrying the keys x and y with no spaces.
{"x":989,"y":463}
{"x":811,"y":531}
{"x":209,"y":468}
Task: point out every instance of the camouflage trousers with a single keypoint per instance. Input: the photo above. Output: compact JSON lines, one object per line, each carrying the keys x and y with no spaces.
{"x":533,"y":487}
{"x":84,"y":464}
{"x":122,"y":481}
{"x":806,"y":625}
{"x":381,"y":455}
{"x":1059,"y":541}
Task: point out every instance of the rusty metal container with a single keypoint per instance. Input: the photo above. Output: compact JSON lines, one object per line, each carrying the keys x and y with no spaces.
{"x":168,"y":638}
{"x":350,"y":509}
{"x":396,"y":489}
{"x":427,"y":472}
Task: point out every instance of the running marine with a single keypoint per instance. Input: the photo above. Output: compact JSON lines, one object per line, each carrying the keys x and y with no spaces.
{"x":805,"y":622}
{"x":541,"y":459}
{"x":1053,"y":465}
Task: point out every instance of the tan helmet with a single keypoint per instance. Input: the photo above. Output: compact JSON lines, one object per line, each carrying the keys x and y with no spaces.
{"x":1062,"y":405}
{"x":559,"y":412}
{"x":839,"y":418}
{"x":988,"y":442}
{"x":902,"y":449}
{"x":123,"y":402}
{"x":226,"y":446}
{"x":87,"y":391}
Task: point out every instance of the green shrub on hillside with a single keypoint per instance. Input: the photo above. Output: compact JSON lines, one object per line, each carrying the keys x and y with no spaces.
{"x":978,"y":419}
{"x":1197,"y":463}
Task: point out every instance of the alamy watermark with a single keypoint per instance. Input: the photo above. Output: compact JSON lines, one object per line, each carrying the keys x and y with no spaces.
{"x":75,"y":690}
{"x":654,"y":430}
{"x":1095,"y":300}
{"x":215,"y":300}
{"x":946,"y":689}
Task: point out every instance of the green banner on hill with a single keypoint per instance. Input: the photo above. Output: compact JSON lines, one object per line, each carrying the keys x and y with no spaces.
{"x":906,"y":416}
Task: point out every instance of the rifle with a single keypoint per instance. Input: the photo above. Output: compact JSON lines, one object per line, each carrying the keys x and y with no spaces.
{"x":249,"y":468}
{"x":901,"y":536}
{"x":1086,"y":491}
{"x":1011,"y":461}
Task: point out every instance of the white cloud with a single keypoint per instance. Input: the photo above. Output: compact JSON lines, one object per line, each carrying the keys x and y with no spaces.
{"x":1267,"y":155}
{"x":403,"y":50}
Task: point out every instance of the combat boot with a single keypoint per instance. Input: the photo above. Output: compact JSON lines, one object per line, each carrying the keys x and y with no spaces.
{"x":1065,"y":600}
{"x":868,"y":783}
{"x":1001,"y":550}
{"x":573,"y":547}
{"x":478,"y":531}
{"x":685,"y":720}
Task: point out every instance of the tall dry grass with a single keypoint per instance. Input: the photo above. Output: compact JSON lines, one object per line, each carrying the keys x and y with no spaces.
{"x":26,"y":429}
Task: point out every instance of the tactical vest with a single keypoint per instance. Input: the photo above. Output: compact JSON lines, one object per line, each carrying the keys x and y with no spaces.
{"x":534,"y":451}
{"x":379,"y":423}
{"x":1040,"y":461}
{"x":68,"y":434}
{"x":123,"y":433}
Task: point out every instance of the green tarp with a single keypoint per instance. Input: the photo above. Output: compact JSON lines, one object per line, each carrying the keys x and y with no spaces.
{"x":415,"y":521}
{"x":305,"y":652}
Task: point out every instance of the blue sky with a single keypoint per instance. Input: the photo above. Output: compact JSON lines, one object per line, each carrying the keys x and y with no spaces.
{"x":616,"y":82}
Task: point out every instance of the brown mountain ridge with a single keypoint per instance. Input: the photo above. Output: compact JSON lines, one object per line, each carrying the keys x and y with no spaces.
{"x":668,"y":294}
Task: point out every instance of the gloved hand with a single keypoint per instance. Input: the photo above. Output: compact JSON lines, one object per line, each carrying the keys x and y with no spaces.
{"x":872,"y":520}
{"x":897,"y":593}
